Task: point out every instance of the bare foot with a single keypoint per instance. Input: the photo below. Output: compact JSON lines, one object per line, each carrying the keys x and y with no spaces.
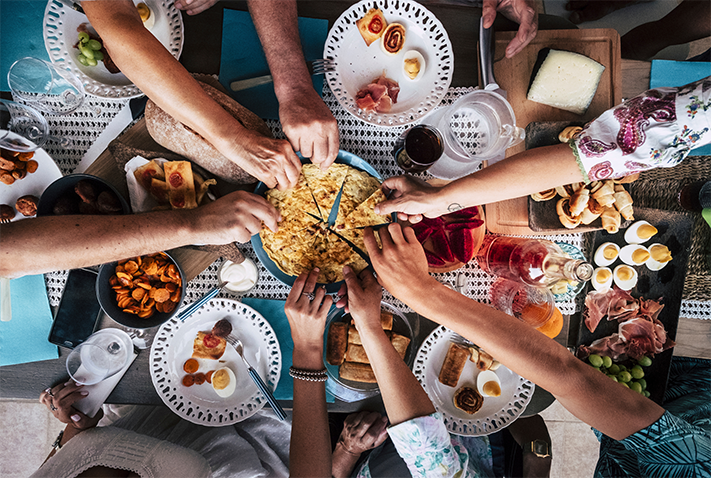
{"x":590,"y":10}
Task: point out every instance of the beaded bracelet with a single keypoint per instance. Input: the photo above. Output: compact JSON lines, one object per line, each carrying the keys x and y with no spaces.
{"x":308,"y":375}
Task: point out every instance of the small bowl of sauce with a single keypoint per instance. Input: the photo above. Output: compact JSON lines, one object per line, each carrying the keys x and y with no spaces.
{"x":241,"y":278}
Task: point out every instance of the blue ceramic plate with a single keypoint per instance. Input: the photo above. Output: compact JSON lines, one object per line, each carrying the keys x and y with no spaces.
{"x":343,"y":157}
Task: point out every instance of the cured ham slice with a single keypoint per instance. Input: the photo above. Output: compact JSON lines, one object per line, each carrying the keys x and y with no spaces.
{"x":614,"y":303}
{"x":378,"y":96}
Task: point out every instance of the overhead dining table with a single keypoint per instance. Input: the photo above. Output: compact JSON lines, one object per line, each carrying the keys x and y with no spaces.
{"x":201,"y":54}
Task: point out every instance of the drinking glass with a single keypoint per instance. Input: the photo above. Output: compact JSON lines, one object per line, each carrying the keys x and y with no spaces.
{"x":533,"y":305}
{"x":45,"y":87}
{"x":22,"y":128}
{"x":102,"y":355}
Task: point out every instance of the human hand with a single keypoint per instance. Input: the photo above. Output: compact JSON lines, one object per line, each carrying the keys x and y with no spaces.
{"x":307,"y":318}
{"x":310,"y":126}
{"x":363,"y":431}
{"x":233,"y":218}
{"x":411,"y":198}
{"x":522,"y":12}
{"x":361,"y":296}
{"x":60,"y":400}
{"x":193,"y":7}
{"x":272,"y":161}
{"x":401,"y":264}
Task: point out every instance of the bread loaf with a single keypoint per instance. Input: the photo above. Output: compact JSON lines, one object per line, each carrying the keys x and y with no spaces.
{"x":454,"y":362}
{"x":171,"y":134}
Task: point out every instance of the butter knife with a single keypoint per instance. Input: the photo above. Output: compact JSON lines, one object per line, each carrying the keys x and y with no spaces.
{"x":240,"y":85}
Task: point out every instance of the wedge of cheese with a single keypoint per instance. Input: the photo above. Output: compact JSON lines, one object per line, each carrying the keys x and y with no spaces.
{"x":565,"y":80}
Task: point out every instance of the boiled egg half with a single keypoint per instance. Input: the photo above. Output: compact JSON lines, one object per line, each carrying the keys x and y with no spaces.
{"x":147,"y":15}
{"x":659,"y":256}
{"x":639,"y":232}
{"x":413,"y":65}
{"x":224,"y":382}
{"x":634,"y":254}
{"x":488,"y":384}
{"x":625,"y":277}
{"x":602,"y":279}
{"x":606,"y":254}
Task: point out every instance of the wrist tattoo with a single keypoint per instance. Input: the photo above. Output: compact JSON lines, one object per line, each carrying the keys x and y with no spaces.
{"x":454,"y":207}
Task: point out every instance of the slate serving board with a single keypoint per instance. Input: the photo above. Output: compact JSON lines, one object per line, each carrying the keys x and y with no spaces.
{"x":667,"y":284}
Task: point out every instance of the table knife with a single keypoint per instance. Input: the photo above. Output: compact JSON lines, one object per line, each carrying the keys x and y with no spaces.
{"x":248,"y":83}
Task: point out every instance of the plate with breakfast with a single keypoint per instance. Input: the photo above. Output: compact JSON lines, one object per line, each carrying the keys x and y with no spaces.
{"x":394,"y":61}
{"x":23,"y":179}
{"x":475,"y":393}
{"x":201,"y":377}
{"x":72,"y":42}
{"x":323,"y":221}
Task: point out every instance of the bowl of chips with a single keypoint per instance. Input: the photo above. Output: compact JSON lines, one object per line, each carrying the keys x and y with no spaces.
{"x":141,"y":292}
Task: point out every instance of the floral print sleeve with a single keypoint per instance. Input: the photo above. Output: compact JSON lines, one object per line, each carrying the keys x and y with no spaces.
{"x":426,"y":446}
{"x":655,"y":129}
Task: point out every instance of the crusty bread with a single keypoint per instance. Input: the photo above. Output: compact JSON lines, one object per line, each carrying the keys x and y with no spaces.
{"x":454,"y":362}
{"x":336,"y":343}
{"x":202,"y":351}
{"x":177,"y":137}
{"x":356,"y":353}
{"x":357,"y":372}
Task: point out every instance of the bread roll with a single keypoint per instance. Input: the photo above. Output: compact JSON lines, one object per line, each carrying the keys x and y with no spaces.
{"x":454,"y":362}
{"x":171,"y":134}
{"x":357,"y":372}
{"x":336,"y":343}
{"x":356,"y":353}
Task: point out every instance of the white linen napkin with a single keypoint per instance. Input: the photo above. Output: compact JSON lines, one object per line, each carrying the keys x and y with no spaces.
{"x":141,"y":200}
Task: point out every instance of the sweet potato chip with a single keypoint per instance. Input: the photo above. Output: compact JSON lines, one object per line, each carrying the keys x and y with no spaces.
{"x":175,"y":296}
{"x":138,"y":293}
{"x":146,"y":313}
{"x":168,"y":307}
{"x":161,"y":295}
{"x":171,"y":287}
{"x":159,"y":307}
{"x":130,"y":267}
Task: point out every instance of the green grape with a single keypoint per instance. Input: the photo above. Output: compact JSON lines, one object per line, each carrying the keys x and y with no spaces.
{"x":624,"y":377}
{"x":645,"y":361}
{"x":622,"y":368}
{"x":607,"y":362}
{"x":595,"y":360}
{"x":83,"y":37}
{"x":86,"y":51}
{"x":82,"y":59}
{"x":94,"y":45}
{"x":92,"y":61}
{"x":614,"y":369}
{"x":613,"y":377}
{"x":643,"y":383}
{"x":637,"y":371}
{"x":98,"y":55}
{"x":636,"y":387}
{"x":646,"y":393}
{"x":624,"y":384}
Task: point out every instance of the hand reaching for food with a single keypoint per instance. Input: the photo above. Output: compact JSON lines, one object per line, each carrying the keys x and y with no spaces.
{"x":272,"y":161}
{"x":60,"y":400}
{"x":363,"y":296}
{"x":363,"y":431}
{"x":307,"y":308}
{"x":522,"y":12}
{"x":193,"y":7}
{"x":411,"y":198}
{"x":310,"y":126}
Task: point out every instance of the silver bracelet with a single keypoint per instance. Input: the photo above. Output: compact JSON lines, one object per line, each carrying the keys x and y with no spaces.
{"x":308,"y":375}
{"x":58,"y":442}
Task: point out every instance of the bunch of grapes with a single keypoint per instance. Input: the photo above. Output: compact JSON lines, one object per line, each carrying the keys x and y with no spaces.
{"x":631,"y":377}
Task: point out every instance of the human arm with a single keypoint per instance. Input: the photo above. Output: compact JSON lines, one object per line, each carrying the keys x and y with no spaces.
{"x":522,"y":12}
{"x":49,"y":243}
{"x":144,"y":60}
{"x":193,"y":7}
{"x":589,"y":395}
{"x":519,"y":175}
{"x":310,"y":450}
{"x":306,"y":120}
{"x":362,"y":431}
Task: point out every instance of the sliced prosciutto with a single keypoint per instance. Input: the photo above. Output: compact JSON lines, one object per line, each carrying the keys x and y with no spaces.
{"x":378,"y":96}
{"x":614,"y":303}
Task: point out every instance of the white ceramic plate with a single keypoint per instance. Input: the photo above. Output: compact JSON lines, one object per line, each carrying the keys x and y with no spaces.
{"x":496,"y":413}
{"x":173,"y":345}
{"x":358,"y":64}
{"x":59,"y":28}
{"x":35,"y":183}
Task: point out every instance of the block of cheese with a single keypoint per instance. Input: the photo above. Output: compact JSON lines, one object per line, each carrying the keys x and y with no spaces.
{"x":564,"y":80}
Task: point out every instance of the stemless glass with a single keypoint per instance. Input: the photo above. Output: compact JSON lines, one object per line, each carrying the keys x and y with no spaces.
{"x":45,"y":87}
{"x":102,"y":355}
{"x":21,"y":128}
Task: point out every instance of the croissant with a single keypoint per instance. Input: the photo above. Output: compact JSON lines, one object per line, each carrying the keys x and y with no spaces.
{"x":623,"y":202}
{"x":591,"y":212}
{"x":604,"y":194}
{"x":610,"y":220}
{"x":544,"y":195}
{"x":569,"y":134}
{"x":627,"y":179}
{"x":578,"y":201}
{"x":566,"y":218}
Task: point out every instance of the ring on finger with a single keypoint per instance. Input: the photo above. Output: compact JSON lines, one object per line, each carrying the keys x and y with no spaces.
{"x":52,"y":407}
{"x":48,"y":391}
{"x":311,"y":296}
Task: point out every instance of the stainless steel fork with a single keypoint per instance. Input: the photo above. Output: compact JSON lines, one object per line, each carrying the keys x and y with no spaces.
{"x":316,"y":67}
{"x":237,"y":344}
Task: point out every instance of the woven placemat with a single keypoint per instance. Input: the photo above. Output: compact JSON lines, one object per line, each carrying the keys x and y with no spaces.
{"x":659,"y":188}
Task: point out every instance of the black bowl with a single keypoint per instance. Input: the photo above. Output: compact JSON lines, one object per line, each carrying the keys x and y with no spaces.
{"x":64,"y":186}
{"x":107,"y":299}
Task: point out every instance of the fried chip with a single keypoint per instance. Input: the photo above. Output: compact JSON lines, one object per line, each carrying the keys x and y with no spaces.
{"x":161,"y":295}
{"x":144,"y":285}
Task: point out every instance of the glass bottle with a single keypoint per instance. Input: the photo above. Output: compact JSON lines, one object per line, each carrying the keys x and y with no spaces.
{"x":536,"y":262}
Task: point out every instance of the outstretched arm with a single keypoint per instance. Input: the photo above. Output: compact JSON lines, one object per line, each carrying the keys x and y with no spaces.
{"x":589,"y":395}
{"x":144,"y":60}
{"x":305,"y":118}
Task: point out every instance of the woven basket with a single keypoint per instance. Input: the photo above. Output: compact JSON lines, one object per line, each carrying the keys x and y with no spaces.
{"x":658,"y":188}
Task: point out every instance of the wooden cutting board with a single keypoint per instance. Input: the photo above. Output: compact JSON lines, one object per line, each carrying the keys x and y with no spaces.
{"x":514,"y":75}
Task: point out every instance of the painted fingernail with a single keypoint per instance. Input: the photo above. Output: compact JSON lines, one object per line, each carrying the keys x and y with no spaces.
{"x":76,"y":418}
{"x":316,"y":269}
{"x":84,"y":393}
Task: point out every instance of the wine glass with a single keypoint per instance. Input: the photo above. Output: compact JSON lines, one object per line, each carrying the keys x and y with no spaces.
{"x":23,"y":128}
{"x":45,"y":87}
{"x":102,"y":355}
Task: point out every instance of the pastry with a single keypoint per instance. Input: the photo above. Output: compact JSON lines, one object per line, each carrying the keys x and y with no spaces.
{"x":357,"y":372}
{"x":591,"y":212}
{"x":400,"y":343}
{"x":371,"y":26}
{"x":611,"y":219}
{"x":468,"y":400}
{"x":27,"y":205}
{"x":393,"y":38}
{"x":181,"y":186}
{"x":623,"y":202}
{"x":356,"y":353}
{"x":336,"y":343}
{"x":544,"y":195}
{"x":208,"y":346}
{"x":454,"y":362}
{"x":578,"y":201}
{"x":566,"y":218}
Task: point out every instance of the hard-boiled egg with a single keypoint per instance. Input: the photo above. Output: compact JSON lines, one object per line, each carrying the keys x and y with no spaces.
{"x":634,"y":255}
{"x":413,"y":65}
{"x":224,"y":382}
{"x":488,"y":384}
{"x":659,"y":256}
{"x":606,"y":254}
{"x":639,"y":232}
{"x":147,"y":15}
{"x":625,"y":277}
{"x":602,"y":279}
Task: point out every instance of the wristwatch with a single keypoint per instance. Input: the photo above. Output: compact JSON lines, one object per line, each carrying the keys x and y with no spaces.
{"x":540,"y":448}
